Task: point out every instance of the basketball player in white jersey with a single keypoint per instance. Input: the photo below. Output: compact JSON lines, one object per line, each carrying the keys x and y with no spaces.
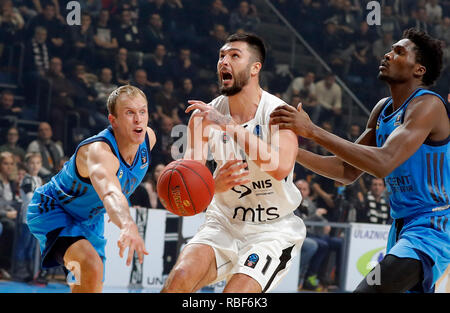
{"x":250,"y":234}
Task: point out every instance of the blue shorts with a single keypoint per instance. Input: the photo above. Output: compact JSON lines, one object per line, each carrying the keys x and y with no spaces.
{"x":425,"y":238}
{"x":48,"y":221}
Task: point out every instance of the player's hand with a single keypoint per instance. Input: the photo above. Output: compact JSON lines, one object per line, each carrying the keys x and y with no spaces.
{"x":230,"y":175}
{"x":287,"y":117}
{"x":209,"y":114}
{"x":130,"y":238}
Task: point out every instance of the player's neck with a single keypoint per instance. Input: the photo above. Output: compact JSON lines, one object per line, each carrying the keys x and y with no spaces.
{"x":126,"y":149}
{"x":243,"y":105}
{"x":401,"y":92}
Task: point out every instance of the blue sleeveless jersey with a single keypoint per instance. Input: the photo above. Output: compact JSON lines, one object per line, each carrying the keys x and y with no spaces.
{"x":422,"y":183}
{"x":77,"y":195}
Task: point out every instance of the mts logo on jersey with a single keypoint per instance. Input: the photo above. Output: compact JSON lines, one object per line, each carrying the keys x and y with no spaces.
{"x":256,"y":215}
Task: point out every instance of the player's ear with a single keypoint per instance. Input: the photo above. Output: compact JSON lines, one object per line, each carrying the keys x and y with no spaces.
{"x":256,"y":67}
{"x":420,"y":70}
{"x":112,"y":120}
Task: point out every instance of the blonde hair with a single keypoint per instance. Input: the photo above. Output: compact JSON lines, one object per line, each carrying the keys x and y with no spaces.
{"x":130,"y":91}
{"x":32,"y":155}
{"x":6,"y":154}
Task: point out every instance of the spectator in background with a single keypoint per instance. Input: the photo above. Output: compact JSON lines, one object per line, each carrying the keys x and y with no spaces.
{"x":128,"y":36}
{"x":149,"y":7}
{"x":329,"y":96}
{"x":9,"y":206}
{"x":442,"y":31}
{"x":163,"y":147}
{"x":167,"y":103}
{"x":36,"y":60}
{"x":336,"y":46}
{"x":50,"y":151}
{"x":215,"y":13}
{"x":56,"y":31}
{"x":375,"y":206}
{"x":122,"y":67}
{"x":310,"y":246}
{"x":244,"y":17}
{"x":104,"y":86}
{"x":182,"y":67}
{"x":11,"y":145}
{"x":434,"y":11}
{"x":149,"y":88}
{"x":7,"y":107}
{"x":82,"y":40}
{"x":11,"y":23}
{"x":301,"y":86}
{"x":389,"y":23}
{"x":62,"y":99}
{"x":94,"y":7}
{"x":153,"y":34}
{"x":419,"y":20}
{"x":26,"y":243}
{"x":159,"y":65}
{"x":213,"y":43}
{"x":150,"y":185}
{"x":105,"y":41}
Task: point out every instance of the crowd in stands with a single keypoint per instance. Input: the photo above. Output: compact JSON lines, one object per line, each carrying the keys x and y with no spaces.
{"x":169,"y":49}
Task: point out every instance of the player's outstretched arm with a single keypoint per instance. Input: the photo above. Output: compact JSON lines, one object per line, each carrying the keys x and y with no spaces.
{"x":420,"y":120}
{"x":102,"y":167}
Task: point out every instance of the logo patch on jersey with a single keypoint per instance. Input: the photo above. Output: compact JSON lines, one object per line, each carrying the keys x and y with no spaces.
{"x":378,"y":124}
{"x":144,"y":156}
{"x":252,"y":260}
{"x":120,"y":174}
{"x":398,"y":120}
{"x":245,"y":192}
{"x":225,"y":138}
{"x":257,"y":131}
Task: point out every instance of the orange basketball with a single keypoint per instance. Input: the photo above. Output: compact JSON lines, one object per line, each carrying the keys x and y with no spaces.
{"x":185,"y":187}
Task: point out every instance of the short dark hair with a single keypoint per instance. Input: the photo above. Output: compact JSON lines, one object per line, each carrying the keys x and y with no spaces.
{"x":254,"y":41}
{"x":428,"y":53}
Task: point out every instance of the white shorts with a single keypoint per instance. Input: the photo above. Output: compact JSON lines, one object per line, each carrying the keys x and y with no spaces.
{"x":261,"y":251}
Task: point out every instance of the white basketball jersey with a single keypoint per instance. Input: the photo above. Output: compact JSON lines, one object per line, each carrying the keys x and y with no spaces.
{"x":264,"y":199}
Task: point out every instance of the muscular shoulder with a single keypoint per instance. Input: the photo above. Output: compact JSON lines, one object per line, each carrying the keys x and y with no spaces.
{"x":151,"y":137}
{"x":95,"y":153}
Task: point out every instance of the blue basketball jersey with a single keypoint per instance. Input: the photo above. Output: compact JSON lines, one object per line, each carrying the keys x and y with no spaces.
{"x":77,"y":195}
{"x":422,"y":183}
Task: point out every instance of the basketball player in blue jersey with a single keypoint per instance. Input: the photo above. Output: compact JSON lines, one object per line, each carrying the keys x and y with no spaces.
{"x":66,"y":215}
{"x":407,"y":142}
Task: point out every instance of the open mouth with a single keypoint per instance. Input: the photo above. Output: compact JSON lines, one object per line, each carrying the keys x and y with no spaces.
{"x":138,"y":130}
{"x":226,"y":76}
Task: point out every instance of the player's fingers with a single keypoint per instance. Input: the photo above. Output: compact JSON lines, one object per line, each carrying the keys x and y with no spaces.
{"x":280,"y":119}
{"x":238,"y":176}
{"x":196,"y":101}
{"x":299,"y":106}
{"x":196,"y":106}
{"x":229,"y":164}
{"x":283,"y":109}
{"x":130,"y":254}
{"x":284,"y":126}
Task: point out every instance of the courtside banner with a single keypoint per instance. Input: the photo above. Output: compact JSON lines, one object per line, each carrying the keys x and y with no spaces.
{"x":367,"y":247}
